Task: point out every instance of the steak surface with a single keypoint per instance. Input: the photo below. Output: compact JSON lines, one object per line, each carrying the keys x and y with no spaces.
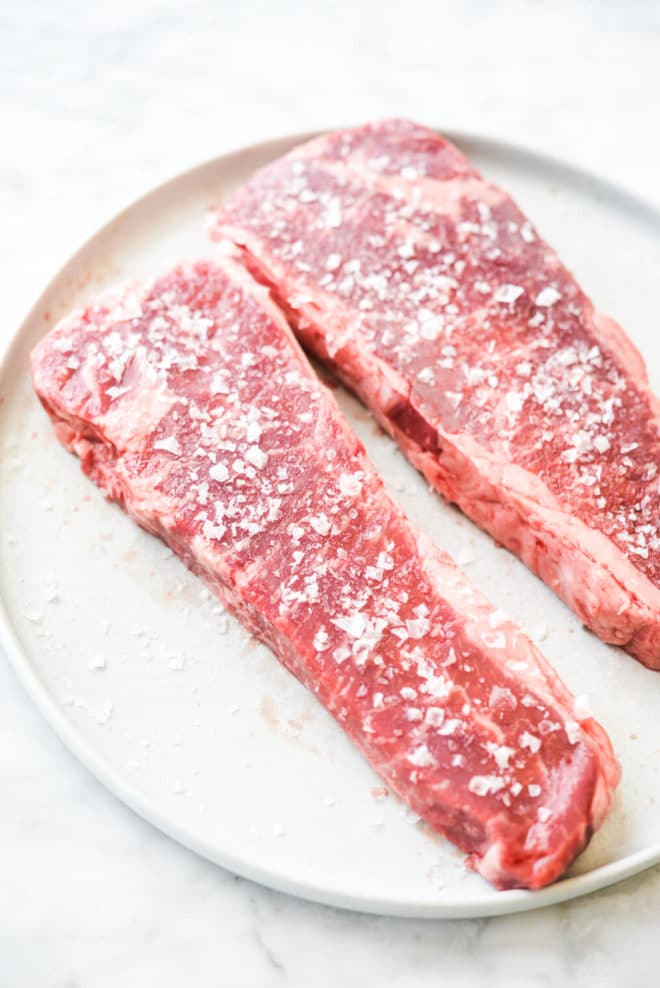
{"x":190,"y":403}
{"x":433,"y":297}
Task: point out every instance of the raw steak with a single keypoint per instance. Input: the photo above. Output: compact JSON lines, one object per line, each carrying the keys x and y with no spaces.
{"x":189,"y":402}
{"x":432,"y":296}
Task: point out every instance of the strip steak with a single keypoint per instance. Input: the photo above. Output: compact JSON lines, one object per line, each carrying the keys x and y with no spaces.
{"x":190,"y":403}
{"x":433,"y":297}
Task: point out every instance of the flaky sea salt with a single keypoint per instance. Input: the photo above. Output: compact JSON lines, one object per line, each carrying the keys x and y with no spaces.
{"x":485,"y":785}
{"x":421,"y":757}
{"x":170,"y":445}
{"x":508,"y":293}
{"x":547,"y":296}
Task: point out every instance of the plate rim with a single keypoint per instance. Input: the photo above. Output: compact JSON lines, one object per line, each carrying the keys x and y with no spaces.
{"x":491,"y":903}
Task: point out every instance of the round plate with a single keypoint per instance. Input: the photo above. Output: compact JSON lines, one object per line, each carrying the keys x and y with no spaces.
{"x":198,"y":728}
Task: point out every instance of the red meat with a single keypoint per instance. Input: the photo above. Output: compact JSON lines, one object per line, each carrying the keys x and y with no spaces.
{"x":432,"y":296}
{"x":189,"y":402}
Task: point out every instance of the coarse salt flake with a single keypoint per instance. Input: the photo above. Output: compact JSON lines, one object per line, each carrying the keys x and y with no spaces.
{"x":321,"y":640}
{"x":573,"y":731}
{"x":253,"y":432}
{"x":435,"y":716}
{"x":170,"y":445}
{"x":508,"y":293}
{"x":385,"y":561}
{"x":219,"y":384}
{"x":418,"y":627}
{"x":485,"y":785}
{"x":430,"y":327}
{"x":353,"y":624}
{"x":421,"y":757}
{"x":219,"y":472}
{"x":515,"y":401}
{"x":501,"y":753}
{"x":494,"y":639}
{"x":527,"y":740}
{"x":547,"y":296}
{"x":212,"y":531}
{"x":256,"y":457}
{"x":349,"y":484}
{"x":340,"y":654}
{"x":320,"y":523}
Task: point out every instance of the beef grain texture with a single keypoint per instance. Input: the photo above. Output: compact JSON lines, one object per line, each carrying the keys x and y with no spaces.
{"x":190,"y":403}
{"x":430,"y":294}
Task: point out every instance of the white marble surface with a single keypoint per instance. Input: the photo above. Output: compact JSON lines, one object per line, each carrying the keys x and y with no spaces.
{"x":100,"y":102}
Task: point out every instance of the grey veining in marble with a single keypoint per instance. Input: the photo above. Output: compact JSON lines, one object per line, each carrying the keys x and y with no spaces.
{"x":99,"y":102}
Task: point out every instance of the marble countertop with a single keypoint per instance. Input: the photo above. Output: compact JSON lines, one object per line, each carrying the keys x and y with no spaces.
{"x":101,"y":102}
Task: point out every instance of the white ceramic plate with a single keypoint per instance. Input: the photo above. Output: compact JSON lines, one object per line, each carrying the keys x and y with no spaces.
{"x":197,"y":727}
